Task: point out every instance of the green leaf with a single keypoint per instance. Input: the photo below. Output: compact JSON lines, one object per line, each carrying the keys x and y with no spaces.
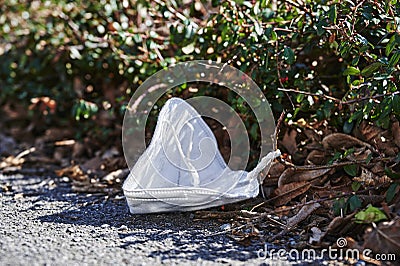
{"x":397,"y":159}
{"x":274,"y":36}
{"x":215,"y":3}
{"x":370,"y":215}
{"x":348,"y":127}
{"x":355,"y":186}
{"x":348,"y":152}
{"x":253,"y":131}
{"x":354,"y":202}
{"x":369,"y":158}
{"x":352,"y":71}
{"x":394,"y":59}
{"x":391,"y":192}
{"x":351,"y":169}
{"x":289,"y":55}
{"x":345,"y":48}
{"x":299,"y":98}
{"x":391,"y":174}
{"x":390,"y":46}
{"x":320,"y":27}
{"x":355,"y":60}
{"x":396,"y":104}
{"x":369,"y":70}
{"x":356,"y":82}
{"x":364,"y":48}
{"x":333,"y":14}
{"x":339,"y":207}
{"x":335,"y":157}
{"x":263,"y":3}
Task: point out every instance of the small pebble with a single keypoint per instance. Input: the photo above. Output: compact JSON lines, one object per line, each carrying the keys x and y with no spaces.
{"x":225,"y":227}
{"x":123,"y":228}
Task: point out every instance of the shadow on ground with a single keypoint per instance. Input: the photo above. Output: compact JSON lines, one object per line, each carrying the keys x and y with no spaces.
{"x":165,"y":236}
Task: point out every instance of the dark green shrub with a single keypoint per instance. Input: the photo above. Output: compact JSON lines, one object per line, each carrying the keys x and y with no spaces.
{"x":337,"y":60}
{"x":319,"y":60}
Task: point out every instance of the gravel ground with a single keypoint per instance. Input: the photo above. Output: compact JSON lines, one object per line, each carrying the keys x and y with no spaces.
{"x":43,"y":222}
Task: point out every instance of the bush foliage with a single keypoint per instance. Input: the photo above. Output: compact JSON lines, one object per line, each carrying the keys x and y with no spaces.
{"x":319,"y":60}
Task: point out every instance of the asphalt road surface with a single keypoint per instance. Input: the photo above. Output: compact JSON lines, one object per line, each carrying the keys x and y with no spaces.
{"x":43,"y":222}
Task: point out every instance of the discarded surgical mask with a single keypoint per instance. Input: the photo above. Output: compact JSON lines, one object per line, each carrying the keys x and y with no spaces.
{"x":173,"y":175}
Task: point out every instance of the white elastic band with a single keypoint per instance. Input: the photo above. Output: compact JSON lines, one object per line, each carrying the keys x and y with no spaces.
{"x":265,"y":162}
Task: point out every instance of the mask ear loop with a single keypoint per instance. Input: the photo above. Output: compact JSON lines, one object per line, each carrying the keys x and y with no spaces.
{"x":265,"y":163}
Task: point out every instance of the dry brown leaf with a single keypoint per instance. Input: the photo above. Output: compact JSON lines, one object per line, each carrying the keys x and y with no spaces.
{"x":304,"y":212}
{"x":366,"y":177}
{"x":230,"y":215}
{"x":112,"y":164}
{"x":370,"y":179}
{"x":7,"y":145}
{"x":91,"y":187}
{"x":57,"y":134}
{"x":367,"y":131}
{"x":289,"y":141}
{"x":312,"y":134}
{"x":378,"y":168}
{"x":92,"y":164}
{"x":13,"y":110}
{"x":376,"y":136}
{"x":285,"y":176}
{"x":313,"y":145}
{"x":110,"y":153}
{"x":340,"y":141}
{"x":276,"y":169}
{"x":372,"y":199}
{"x":360,"y":154}
{"x":116,"y":176}
{"x":396,"y":208}
{"x":291,"y":175}
{"x":78,"y":149}
{"x":385,"y":238}
{"x":11,"y":161}
{"x":271,"y":180}
{"x":396,"y":133}
{"x":73,"y":172}
{"x":353,"y":244}
{"x":328,"y":190}
{"x":285,"y":193}
{"x":105,"y":118}
{"x":244,"y":237}
{"x":339,"y":225}
{"x":316,"y":157}
{"x":17,"y":160}
{"x":282,"y":211}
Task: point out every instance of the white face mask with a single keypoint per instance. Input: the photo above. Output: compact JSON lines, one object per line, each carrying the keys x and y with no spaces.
{"x":183,"y":170}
